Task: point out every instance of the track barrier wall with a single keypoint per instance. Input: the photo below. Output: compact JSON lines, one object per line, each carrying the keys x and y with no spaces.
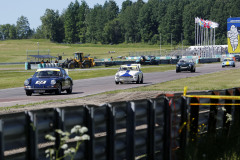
{"x":163,"y":128}
{"x":167,"y":60}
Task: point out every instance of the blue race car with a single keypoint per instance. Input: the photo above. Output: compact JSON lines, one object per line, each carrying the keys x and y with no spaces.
{"x":48,"y":80}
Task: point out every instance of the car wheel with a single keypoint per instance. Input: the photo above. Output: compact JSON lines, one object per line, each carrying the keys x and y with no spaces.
{"x":116,"y":82}
{"x":59,"y":89}
{"x":69,"y":91}
{"x":141,"y":80}
{"x":28,"y":93}
{"x":71,"y":65}
{"x":138,"y":81}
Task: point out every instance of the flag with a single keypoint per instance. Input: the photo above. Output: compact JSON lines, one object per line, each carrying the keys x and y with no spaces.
{"x":214,"y":25}
{"x":197,"y":20}
{"x":201,"y":23}
{"x":206,"y":23}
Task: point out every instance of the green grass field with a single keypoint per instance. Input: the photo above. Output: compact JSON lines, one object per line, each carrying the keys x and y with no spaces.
{"x":16,"y":50}
{"x":214,"y":81}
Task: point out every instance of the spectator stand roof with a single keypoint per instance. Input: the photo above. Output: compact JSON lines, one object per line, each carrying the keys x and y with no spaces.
{"x":42,"y":56}
{"x":39,"y":55}
{"x":38,"y":58}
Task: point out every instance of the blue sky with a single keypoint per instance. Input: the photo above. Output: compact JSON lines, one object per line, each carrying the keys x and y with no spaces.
{"x":11,"y":10}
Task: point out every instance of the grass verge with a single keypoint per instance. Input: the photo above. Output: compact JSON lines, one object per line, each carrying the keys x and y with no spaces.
{"x":214,"y":81}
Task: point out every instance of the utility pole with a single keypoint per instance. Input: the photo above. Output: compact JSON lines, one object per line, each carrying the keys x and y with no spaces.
{"x":38,"y":50}
{"x":182,"y":43}
{"x":160,"y":43}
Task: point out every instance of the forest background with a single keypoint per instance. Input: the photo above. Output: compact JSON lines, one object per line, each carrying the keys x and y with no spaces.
{"x":172,"y":21}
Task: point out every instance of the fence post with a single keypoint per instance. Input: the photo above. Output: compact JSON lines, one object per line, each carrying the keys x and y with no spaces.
{"x":167,"y":130}
{"x":151,"y":130}
{"x":32,"y":141}
{"x":228,"y":110}
{"x":111,"y":132}
{"x":237,"y":109}
{"x":183,"y":126}
{"x":131,"y":131}
{"x":212,"y":121}
{"x":90,"y":154}
{"x":1,"y":141}
{"x":194,"y":113}
{"x":59,"y":119}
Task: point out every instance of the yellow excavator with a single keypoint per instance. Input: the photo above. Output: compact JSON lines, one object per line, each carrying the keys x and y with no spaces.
{"x":79,"y":61}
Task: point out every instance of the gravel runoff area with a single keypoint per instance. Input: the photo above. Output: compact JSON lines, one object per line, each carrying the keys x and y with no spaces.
{"x":98,"y":100}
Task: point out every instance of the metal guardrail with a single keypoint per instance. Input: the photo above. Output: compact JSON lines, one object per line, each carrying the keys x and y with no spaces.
{"x":9,"y":63}
{"x":159,"y":128}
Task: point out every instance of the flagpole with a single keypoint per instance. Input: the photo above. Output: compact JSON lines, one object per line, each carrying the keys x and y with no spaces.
{"x":195,"y":32}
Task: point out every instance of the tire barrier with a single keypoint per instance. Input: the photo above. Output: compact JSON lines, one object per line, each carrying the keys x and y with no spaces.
{"x":48,"y":65}
{"x":167,"y":127}
{"x":112,"y":63}
{"x":27,"y":66}
{"x":209,"y":60}
{"x":31,"y":65}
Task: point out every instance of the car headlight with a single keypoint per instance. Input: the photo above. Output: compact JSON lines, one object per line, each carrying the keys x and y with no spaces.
{"x":26,"y":82}
{"x":117,"y":75}
{"x":53,"y":82}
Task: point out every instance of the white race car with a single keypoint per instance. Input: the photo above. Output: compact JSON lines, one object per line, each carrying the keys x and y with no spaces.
{"x":228,"y":62}
{"x":129,"y":73}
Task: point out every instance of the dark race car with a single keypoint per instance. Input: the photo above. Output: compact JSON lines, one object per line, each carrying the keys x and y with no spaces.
{"x":185,"y":65}
{"x":48,"y":80}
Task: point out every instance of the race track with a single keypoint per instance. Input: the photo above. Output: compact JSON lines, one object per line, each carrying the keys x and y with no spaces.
{"x":17,"y":96}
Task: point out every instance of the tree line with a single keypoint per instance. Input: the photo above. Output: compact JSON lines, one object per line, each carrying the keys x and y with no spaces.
{"x":147,"y":22}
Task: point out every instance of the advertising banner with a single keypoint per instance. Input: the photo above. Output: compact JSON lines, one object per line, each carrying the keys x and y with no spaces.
{"x":233,"y":28}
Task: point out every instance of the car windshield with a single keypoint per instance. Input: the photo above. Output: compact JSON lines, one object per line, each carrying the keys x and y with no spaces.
{"x":147,"y":57}
{"x":185,"y":60}
{"x":128,"y":68}
{"x":228,"y":60}
{"x":47,"y":74}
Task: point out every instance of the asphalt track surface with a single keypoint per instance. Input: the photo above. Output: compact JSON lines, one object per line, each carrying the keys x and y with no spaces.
{"x":81,"y":88}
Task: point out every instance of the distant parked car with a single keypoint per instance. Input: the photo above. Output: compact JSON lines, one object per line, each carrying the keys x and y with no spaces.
{"x":185,"y":65}
{"x":237,"y":58}
{"x":228,"y":62}
{"x":151,"y":60}
{"x":48,"y":80}
{"x":129,"y":73}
